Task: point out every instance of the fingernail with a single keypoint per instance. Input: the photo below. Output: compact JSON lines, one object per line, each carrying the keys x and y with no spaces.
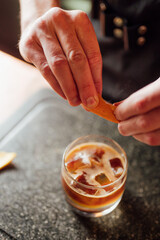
{"x":92,"y":102}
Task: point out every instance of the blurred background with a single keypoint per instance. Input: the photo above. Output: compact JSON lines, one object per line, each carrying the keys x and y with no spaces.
{"x":9,"y":26}
{"x":10,"y":22}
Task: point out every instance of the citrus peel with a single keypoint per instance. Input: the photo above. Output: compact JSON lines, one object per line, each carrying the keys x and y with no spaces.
{"x":6,"y":158}
{"x":105,"y":110}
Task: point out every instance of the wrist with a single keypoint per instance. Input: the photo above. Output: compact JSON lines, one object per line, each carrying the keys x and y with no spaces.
{"x":33,"y":9}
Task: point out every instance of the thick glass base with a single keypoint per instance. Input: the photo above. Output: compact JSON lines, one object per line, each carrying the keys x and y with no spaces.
{"x":95,"y":213}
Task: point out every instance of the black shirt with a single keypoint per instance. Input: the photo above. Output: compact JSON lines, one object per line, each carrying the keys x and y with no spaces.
{"x":124,"y":72}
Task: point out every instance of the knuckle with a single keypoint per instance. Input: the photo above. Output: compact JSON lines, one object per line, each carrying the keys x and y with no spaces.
{"x":40,"y":23}
{"x":71,"y":91}
{"x":86,"y":87}
{"x":40,"y":27}
{"x":98,"y":83}
{"x":140,"y":105}
{"x":58,"y":61}
{"x":95,"y":58}
{"x":82,"y":16}
{"x":45,"y":70}
{"x":142,"y":122}
{"x":29,"y":43}
{"x":151,"y":140}
{"x":25,"y":46}
{"x":57,"y":13}
{"x":76,"y":56}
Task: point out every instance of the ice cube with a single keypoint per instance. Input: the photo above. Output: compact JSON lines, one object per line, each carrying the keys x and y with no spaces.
{"x":95,"y":162}
{"x":118,"y":171}
{"x":99,"y":153}
{"x":108,"y":169}
{"x":102,"y":179}
{"x":96,"y":157}
{"x":116,"y":166}
{"x":115,"y":162}
{"x":84,"y":156}
{"x":73,"y":165}
{"x":82,"y":179}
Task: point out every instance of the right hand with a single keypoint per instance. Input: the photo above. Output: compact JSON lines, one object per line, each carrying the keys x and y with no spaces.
{"x":63,"y":46}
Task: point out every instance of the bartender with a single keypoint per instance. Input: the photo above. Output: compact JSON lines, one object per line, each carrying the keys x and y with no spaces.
{"x":63,"y":45}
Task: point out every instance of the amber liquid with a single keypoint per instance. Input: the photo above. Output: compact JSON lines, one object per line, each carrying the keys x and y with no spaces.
{"x":93,"y":177}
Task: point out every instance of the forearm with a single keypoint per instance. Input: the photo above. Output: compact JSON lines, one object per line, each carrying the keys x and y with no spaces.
{"x":32,"y":9}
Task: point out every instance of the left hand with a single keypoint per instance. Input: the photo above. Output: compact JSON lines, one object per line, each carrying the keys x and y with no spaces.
{"x":139,"y":115}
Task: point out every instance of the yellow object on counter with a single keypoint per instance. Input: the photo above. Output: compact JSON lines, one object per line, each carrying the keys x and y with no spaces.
{"x":6,"y":158}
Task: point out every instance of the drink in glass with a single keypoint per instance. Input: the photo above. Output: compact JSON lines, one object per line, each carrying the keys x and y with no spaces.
{"x":94,"y":171}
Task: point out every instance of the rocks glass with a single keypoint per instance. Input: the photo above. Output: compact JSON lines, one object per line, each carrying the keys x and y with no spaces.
{"x":94,"y":172}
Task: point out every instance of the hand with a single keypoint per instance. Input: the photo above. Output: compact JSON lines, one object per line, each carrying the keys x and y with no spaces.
{"x":140,"y":115}
{"x":63,"y":46}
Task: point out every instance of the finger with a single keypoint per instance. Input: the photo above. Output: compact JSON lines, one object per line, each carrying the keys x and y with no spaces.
{"x":140,"y":124}
{"x":77,"y":61}
{"x":60,"y":68}
{"x":36,"y":56}
{"x":140,"y":102}
{"x":150,"y":138}
{"x":87,"y":37}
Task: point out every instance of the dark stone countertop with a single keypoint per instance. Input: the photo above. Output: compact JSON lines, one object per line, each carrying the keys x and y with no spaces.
{"x":32,"y":203}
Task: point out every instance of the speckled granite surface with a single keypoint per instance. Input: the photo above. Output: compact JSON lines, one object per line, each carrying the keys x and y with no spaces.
{"x":32,"y":204}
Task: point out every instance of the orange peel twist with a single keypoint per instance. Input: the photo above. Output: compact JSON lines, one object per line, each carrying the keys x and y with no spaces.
{"x":105,"y":110}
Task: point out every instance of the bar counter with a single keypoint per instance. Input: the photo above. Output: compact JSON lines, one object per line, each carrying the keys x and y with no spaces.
{"x":38,"y":125}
